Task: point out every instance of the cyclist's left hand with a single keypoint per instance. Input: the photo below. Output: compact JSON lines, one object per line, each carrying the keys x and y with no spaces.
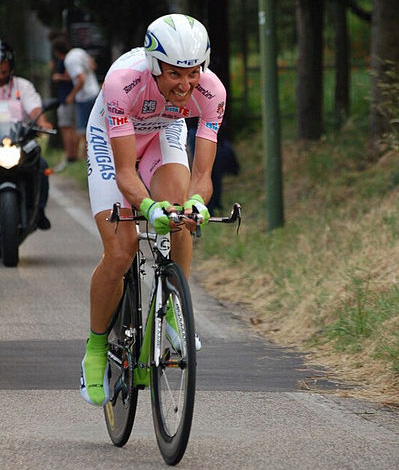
{"x":197,"y":202}
{"x":154,"y":212}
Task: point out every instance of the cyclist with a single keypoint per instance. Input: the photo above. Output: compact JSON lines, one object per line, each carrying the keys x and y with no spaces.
{"x":136,"y":139}
{"x":27,"y":101}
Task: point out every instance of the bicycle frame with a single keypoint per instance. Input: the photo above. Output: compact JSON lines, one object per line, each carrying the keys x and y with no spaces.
{"x":161,"y":247}
{"x":156,"y":308}
{"x":162,"y":353}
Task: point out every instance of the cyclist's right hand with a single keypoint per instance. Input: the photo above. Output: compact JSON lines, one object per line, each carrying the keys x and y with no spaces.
{"x":154,"y":212}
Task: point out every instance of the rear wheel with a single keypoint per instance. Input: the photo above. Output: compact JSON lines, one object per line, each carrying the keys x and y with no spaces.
{"x":173,"y":380}
{"x":9,"y":219}
{"x":124,"y":340}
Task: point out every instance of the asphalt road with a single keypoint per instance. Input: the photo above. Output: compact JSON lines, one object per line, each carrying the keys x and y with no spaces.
{"x":251,"y":410}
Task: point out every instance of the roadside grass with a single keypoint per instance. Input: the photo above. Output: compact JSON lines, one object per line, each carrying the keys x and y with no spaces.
{"x":76,"y":170}
{"x":327,"y":281}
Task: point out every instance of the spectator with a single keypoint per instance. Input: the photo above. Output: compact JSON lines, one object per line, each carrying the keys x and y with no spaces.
{"x":65,"y":112}
{"x":79,"y":66}
{"x":27,"y":99}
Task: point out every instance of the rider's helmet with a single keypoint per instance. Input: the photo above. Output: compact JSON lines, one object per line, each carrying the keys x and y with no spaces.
{"x":178,"y":40}
{"x":7,"y":54}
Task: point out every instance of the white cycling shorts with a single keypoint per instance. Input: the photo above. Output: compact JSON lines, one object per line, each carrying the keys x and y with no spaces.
{"x":153,"y":150}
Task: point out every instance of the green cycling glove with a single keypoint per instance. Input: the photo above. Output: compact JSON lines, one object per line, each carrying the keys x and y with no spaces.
{"x":153,"y":212}
{"x":197,"y":202}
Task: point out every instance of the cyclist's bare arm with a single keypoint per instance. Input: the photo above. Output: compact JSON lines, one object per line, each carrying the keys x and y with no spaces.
{"x":201,"y":179}
{"x":129,"y":183}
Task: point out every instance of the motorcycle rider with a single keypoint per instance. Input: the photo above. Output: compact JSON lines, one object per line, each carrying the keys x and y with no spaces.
{"x":28,"y":99}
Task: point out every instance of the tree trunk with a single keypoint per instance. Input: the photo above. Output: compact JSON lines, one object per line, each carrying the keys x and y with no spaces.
{"x":342,"y":64}
{"x":218,"y":29}
{"x":384,"y":49}
{"x":309,"y":92}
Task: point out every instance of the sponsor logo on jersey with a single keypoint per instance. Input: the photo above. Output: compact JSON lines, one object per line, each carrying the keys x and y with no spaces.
{"x":130,"y":87}
{"x":101,"y":153}
{"x":114,"y":108}
{"x":173,"y":134}
{"x":204,"y":92}
{"x":117,"y":121}
{"x":177,"y":109}
{"x":212,"y":125}
{"x":145,"y":127}
{"x":155,"y":165}
{"x":149,"y":106}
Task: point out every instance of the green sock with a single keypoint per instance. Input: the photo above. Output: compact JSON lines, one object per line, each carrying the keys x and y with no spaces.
{"x":97,"y":340}
{"x":95,"y":362}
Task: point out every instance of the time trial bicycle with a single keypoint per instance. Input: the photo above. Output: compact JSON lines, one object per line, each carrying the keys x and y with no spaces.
{"x":148,"y":355}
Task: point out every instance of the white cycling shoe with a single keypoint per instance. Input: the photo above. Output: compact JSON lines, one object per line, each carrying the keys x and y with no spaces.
{"x":174,"y":338}
{"x":97,"y":394}
{"x":172,"y":330}
{"x":94,"y":380}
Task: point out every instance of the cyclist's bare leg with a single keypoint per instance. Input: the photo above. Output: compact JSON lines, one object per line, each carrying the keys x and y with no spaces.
{"x":170,"y":183}
{"x":105,"y":292}
{"x":106,"y":283}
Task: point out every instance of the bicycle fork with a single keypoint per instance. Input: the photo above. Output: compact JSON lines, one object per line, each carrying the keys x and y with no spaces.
{"x":156,"y":314}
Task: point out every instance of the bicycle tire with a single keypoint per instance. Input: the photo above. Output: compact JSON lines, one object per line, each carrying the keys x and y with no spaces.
{"x":9,"y":219}
{"x":173,"y":413}
{"x":120,"y":411}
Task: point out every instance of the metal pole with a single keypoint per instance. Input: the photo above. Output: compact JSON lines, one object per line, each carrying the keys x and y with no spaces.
{"x":271,"y":114}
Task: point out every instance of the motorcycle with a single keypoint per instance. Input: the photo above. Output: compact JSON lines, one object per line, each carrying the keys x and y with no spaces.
{"x":20,"y":176}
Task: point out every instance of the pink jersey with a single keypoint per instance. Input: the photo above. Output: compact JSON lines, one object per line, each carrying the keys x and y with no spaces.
{"x":132,"y":103}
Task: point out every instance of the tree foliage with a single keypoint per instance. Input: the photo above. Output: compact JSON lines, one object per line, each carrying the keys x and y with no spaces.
{"x":384,"y":51}
{"x":129,"y":25}
{"x":122,"y":21}
{"x":50,"y":12}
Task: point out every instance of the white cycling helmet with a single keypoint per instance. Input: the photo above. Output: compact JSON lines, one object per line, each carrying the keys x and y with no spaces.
{"x":178,"y":40}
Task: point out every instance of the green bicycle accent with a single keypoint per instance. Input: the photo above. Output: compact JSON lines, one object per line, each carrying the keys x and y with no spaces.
{"x":142,"y":372}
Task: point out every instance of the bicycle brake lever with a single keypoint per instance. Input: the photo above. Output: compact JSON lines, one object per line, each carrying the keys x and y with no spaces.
{"x":236,"y":213}
{"x":198,"y":232}
{"x":173,"y":217}
{"x":115,"y":213}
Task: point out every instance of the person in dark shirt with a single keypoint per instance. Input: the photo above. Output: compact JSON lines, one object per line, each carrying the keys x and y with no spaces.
{"x":66,"y":112}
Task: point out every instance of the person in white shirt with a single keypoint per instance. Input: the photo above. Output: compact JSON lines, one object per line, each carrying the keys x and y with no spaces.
{"x":80,"y":67}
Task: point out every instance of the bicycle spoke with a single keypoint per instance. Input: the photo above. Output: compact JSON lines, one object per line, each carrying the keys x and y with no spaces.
{"x":172,"y":378}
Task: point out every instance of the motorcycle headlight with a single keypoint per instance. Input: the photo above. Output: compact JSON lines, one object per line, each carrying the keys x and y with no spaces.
{"x":9,"y":154}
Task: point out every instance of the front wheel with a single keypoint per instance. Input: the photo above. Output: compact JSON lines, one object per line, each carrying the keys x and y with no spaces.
{"x":9,"y":219}
{"x":173,"y":379}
